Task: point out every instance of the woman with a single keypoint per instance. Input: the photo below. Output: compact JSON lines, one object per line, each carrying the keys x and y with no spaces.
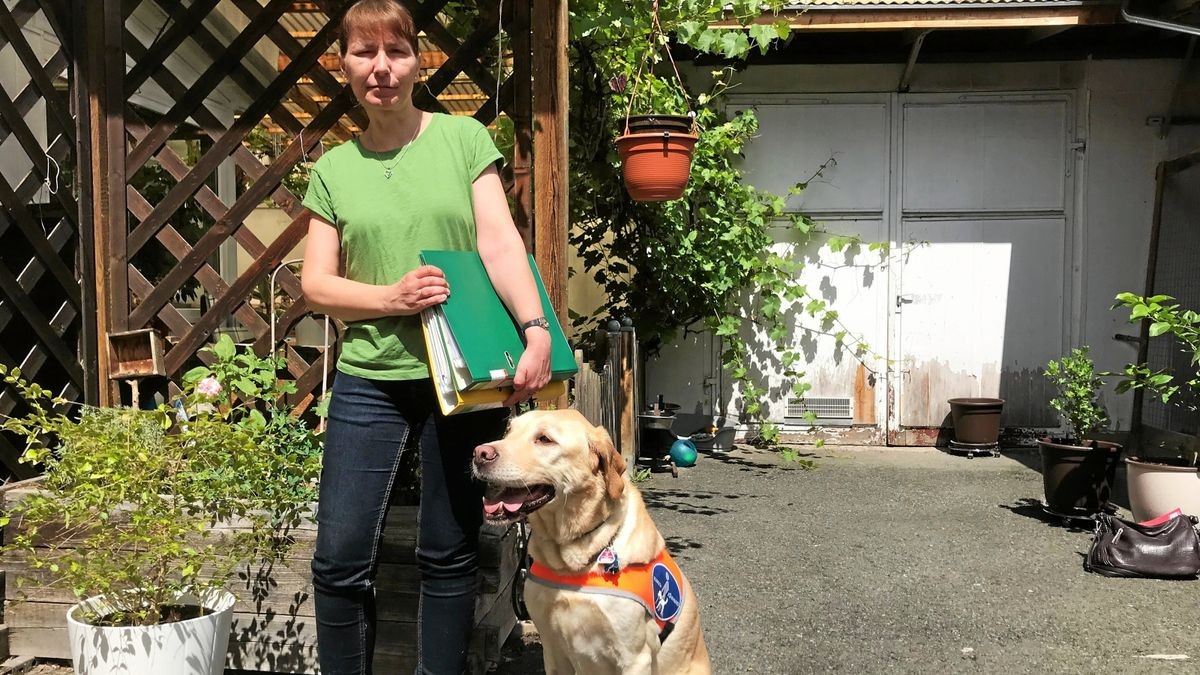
{"x":411,"y":181}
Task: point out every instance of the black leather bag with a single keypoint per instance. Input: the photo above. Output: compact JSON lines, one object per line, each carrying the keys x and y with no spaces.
{"x":1124,"y":549}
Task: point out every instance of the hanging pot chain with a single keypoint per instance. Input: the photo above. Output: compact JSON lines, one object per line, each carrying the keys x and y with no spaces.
{"x":655,"y":32}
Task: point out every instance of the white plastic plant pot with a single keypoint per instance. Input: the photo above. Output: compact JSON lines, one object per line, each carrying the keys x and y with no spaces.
{"x":193,"y":647}
{"x":1155,"y":489}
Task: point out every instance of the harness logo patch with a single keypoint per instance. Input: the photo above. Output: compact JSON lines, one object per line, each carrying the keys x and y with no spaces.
{"x":668,"y":594}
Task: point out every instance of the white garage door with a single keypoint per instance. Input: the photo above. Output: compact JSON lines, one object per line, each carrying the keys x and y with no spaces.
{"x":980,"y":307}
{"x":977,"y":310}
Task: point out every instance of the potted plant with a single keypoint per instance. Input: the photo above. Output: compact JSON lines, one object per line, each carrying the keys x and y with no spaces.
{"x":656,"y":149}
{"x":976,"y":420}
{"x":1077,"y":471}
{"x":1160,"y":482}
{"x":146,"y":515}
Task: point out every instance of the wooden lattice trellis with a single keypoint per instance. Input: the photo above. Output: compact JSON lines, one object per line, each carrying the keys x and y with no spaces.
{"x":42,"y":310}
{"x":305,"y":101}
{"x":127,"y":48}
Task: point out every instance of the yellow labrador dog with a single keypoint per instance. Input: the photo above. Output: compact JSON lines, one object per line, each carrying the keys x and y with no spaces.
{"x":603,"y":592}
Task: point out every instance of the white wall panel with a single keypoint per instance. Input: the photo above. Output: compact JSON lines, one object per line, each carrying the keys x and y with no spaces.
{"x":798,"y":137}
{"x":986,"y":313}
{"x":977,"y":156}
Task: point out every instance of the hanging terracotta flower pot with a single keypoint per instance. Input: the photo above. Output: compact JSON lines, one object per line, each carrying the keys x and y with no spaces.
{"x":656,"y":165}
{"x":656,"y":149}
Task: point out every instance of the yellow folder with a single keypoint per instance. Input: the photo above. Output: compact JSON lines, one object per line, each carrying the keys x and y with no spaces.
{"x":451,"y":399}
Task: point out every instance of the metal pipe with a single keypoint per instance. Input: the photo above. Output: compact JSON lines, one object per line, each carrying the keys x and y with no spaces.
{"x":906,"y":77}
{"x":1156,"y":23}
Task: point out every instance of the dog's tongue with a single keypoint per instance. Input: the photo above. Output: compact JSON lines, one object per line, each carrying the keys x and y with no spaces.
{"x":510,"y":500}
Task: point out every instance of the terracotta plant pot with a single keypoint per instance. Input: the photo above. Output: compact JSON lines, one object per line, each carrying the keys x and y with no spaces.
{"x":976,"y":420}
{"x":1078,"y":479}
{"x":1156,"y":486}
{"x":656,"y":165}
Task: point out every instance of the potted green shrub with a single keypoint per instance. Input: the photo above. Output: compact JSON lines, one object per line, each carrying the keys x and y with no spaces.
{"x":1077,"y":470}
{"x":1161,"y":481}
{"x":146,"y":515}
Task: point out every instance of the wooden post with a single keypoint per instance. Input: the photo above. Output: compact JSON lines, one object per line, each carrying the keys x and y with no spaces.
{"x":1160,"y":179}
{"x":105,"y":72}
{"x":90,"y":335}
{"x":550,"y":177}
{"x":522,"y":119}
{"x":627,"y":412}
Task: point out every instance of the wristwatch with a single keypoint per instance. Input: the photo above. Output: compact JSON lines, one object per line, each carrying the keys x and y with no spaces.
{"x":540,"y":322}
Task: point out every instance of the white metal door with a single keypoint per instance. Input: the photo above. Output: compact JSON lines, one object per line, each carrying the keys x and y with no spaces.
{"x":978,"y":308}
{"x":851,"y":136}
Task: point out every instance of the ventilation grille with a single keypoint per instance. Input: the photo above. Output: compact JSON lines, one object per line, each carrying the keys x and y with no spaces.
{"x":828,"y":410}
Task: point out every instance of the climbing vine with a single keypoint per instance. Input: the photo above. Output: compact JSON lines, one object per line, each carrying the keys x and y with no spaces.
{"x":710,"y":259}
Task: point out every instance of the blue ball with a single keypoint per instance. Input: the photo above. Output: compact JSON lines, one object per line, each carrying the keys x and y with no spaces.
{"x":683,"y":452}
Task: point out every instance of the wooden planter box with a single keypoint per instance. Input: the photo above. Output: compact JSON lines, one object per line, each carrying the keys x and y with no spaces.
{"x":273,"y":625}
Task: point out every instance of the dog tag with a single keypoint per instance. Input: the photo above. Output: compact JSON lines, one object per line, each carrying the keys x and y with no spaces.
{"x":608,"y":558}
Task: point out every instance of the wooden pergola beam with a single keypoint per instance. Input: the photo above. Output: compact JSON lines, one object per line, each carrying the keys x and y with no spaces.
{"x":550,"y":90}
{"x":521,"y":190}
{"x":846,"y":19}
{"x":104,"y":76}
{"x":550,"y":173}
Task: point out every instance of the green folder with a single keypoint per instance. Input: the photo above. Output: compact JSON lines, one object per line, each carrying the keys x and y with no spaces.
{"x":486,"y":344}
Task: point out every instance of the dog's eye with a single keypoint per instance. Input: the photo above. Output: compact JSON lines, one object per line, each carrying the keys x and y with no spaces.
{"x":543,"y":439}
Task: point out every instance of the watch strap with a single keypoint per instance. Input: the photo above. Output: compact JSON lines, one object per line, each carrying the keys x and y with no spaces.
{"x":540,"y":321}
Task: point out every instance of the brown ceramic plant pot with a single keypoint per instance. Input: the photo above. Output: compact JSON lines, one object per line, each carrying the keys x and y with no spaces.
{"x":656,"y":165}
{"x":976,"y":420}
{"x":1078,"y":479}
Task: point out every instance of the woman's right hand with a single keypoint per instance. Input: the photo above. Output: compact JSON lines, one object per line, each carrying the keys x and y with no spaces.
{"x":419,"y":289}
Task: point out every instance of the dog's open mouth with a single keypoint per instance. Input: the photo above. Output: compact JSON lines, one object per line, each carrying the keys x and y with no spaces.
{"x":514,"y":501}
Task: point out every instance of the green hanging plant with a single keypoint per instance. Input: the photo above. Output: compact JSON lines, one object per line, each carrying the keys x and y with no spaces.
{"x":704,"y":261}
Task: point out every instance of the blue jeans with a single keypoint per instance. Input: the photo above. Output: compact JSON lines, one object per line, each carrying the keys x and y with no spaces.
{"x":369,"y":425}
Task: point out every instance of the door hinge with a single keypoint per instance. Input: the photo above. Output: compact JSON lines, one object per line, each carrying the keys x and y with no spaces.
{"x":1079,"y":145}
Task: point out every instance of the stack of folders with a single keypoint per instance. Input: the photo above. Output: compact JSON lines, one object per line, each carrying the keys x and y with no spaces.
{"x":475,"y":344}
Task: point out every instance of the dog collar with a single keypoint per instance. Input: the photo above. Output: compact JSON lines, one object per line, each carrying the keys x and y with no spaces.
{"x":656,"y":585}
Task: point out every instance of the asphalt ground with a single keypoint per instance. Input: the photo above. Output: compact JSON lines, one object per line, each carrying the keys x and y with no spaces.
{"x":901,"y":561}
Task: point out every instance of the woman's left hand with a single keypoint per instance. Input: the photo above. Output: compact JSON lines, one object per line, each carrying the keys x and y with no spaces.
{"x":533,"y":370}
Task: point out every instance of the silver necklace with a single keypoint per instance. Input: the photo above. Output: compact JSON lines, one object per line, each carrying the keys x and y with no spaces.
{"x":387,"y":168}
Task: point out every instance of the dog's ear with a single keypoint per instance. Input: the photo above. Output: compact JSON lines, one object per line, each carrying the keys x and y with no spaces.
{"x":610,"y":464}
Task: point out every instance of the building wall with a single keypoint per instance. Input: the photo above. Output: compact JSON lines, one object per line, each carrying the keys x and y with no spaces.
{"x":1108,"y":237}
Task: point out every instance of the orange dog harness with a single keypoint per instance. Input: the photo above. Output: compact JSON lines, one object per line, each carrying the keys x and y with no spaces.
{"x":656,"y":585}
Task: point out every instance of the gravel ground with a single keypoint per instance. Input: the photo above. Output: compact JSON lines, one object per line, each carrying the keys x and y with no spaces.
{"x":899,"y":561}
{"x":902,"y":560}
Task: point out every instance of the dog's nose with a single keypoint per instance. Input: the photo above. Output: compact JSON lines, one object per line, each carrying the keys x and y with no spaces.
{"x":485,"y":454}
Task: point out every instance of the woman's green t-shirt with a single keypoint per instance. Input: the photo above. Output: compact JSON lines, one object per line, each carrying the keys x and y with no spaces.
{"x":384,"y":223}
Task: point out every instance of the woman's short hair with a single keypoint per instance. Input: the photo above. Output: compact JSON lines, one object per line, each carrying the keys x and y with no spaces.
{"x":376,"y":15}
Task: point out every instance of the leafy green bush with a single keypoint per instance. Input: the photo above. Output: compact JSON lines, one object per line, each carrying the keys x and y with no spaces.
{"x":1078,"y":385}
{"x":141,"y":506}
{"x":1166,"y":317}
